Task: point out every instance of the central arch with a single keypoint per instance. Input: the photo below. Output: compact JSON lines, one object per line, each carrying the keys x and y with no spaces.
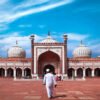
{"x":47,"y":59}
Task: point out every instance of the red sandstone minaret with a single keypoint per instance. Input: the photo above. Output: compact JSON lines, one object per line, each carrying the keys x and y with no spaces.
{"x":65,"y":52}
{"x":32,"y":51}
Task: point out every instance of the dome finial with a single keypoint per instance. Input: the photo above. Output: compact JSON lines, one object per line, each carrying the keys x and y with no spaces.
{"x":49,"y":39}
{"x":81,"y":42}
{"x":48,"y":33}
{"x":16,"y":42}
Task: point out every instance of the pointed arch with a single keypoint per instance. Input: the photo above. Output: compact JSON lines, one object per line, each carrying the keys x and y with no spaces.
{"x":10,"y":72}
{"x":18,"y":72}
{"x":79,"y":72}
{"x":27,"y":73}
{"x":2,"y":72}
{"x":71,"y":72}
{"x":88,"y":72}
{"x":97,"y":72}
{"x":48,"y":58}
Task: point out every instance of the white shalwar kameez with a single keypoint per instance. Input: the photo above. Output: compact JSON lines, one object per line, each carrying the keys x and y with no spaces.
{"x":49,"y":80}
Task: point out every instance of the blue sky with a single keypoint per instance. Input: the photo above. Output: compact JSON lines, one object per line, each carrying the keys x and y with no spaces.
{"x":79,"y":19}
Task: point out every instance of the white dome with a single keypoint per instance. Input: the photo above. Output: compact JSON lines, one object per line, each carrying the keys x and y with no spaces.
{"x":49,"y":39}
{"x":16,"y":52}
{"x":82,"y":51}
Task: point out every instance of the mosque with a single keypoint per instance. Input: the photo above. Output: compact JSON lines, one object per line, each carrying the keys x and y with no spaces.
{"x":51,"y":54}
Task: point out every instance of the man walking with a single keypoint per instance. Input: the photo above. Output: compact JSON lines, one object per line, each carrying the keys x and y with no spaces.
{"x":50,"y":81}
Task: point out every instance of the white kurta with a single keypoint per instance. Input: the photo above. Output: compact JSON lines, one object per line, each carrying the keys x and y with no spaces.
{"x":50,"y":81}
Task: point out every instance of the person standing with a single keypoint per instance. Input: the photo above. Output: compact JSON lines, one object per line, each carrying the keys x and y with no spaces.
{"x":50,"y":82}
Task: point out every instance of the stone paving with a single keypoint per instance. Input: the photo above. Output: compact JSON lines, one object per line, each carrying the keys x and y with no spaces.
{"x":88,"y":89}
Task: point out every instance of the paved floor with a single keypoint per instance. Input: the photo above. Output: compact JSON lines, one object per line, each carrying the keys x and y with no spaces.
{"x":34,"y":90}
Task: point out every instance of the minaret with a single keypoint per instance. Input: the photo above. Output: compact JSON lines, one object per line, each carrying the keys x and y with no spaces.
{"x":32,"y":51}
{"x":65,"y":53}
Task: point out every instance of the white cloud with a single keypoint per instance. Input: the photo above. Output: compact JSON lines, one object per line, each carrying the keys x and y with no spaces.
{"x":38,"y":9}
{"x":3,"y":2}
{"x":18,"y":11}
{"x":11,"y":12}
{"x":77,"y":37}
{"x":95,"y":48}
{"x":25,"y":25}
{"x":29,"y":3}
{"x":41,"y":26}
{"x":3,"y":27}
{"x":71,"y":36}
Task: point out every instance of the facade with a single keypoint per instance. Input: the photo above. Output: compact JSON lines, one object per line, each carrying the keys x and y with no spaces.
{"x":51,"y":54}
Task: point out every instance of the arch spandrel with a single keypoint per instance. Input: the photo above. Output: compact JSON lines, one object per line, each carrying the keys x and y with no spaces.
{"x":44,"y":50}
{"x":49,"y":53}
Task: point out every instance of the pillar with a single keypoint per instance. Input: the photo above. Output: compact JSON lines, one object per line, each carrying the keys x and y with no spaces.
{"x":14,"y":74}
{"x":5,"y":72}
{"x":92,"y":72}
{"x":22,"y":73}
{"x":75,"y":73}
{"x":25,"y":73}
{"x":84,"y":74}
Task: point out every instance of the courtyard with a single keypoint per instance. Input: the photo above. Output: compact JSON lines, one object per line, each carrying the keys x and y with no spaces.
{"x":11,"y":89}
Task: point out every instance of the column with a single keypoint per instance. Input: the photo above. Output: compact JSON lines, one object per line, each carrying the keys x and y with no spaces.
{"x":5,"y":72}
{"x":84,"y":74}
{"x":22,"y":73}
{"x":14,"y":73}
{"x":92,"y":72}
{"x":75,"y":73}
{"x":25,"y":73}
{"x":65,"y":55}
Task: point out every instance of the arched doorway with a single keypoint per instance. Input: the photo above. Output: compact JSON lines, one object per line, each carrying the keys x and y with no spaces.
{"x":46,"y":59}
{"x":88,"y":72}
{"x":97,"y":72}
{"x":2,"y":72}
{"x":27,"y":73}
{"x":18,"y":73}
{"x":79,"y":72}
{"x":71,"y":72}
{"x":10,"y":72}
